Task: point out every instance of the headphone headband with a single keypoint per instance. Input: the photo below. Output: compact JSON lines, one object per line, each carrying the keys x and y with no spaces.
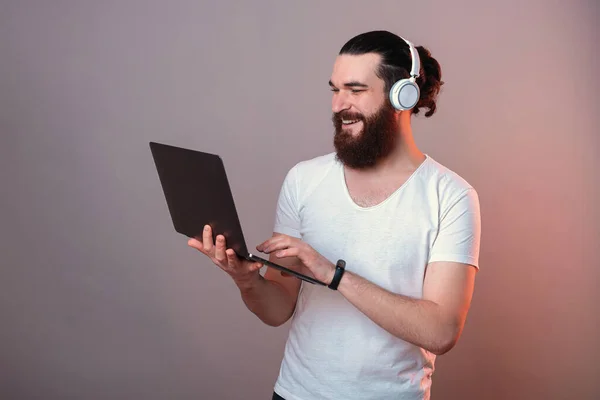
{"x":414,"y":56}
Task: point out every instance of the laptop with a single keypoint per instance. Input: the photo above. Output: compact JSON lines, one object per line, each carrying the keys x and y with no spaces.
{"x":198,"y":193}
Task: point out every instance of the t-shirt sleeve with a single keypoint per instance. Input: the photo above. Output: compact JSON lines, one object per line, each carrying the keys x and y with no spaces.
{"x":287,"y":216}
{"x":458,"y":238}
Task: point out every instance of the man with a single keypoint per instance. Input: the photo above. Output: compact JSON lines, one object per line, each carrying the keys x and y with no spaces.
{"x":406,"y":228}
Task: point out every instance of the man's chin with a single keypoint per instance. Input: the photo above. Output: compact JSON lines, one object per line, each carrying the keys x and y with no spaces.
{"x":350,"y":134}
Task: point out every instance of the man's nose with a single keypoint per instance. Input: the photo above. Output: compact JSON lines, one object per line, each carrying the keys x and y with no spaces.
{"x":339,"y":102}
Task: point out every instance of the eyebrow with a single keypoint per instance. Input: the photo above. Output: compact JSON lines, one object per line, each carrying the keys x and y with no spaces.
{"x":351,"y":84}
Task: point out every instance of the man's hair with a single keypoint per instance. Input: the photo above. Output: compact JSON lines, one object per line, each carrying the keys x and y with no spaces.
{"x":396,"y":63}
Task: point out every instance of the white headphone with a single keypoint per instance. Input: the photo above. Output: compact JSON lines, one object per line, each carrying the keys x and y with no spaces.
{"x":405,"y":93}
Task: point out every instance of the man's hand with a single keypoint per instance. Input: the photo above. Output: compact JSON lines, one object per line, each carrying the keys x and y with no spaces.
{"x":287,"y":246}
{"x":242,"y":271}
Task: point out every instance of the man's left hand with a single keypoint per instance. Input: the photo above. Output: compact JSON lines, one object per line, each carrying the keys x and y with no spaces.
{"x":287,"y":246}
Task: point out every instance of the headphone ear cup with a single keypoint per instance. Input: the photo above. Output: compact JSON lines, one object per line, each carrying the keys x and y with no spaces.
{"x":404,"y":94}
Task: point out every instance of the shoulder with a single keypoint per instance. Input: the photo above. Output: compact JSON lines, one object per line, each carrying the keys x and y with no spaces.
{"x":316,"y":165}
{"x":445,"y":176}
{"x":447,"y":184}
{"x":313,"y":169}
{"x":306,"y":175}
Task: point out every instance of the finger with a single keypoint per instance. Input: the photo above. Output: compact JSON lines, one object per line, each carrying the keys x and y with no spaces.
{"x":277,"y":244}
{"x":288,"y":252}
{"x":207,"y":240}
{"x":264,"y":246}
{"x":255,"y":266}
{"x":220,"y":249}
{"x":232,"y":258}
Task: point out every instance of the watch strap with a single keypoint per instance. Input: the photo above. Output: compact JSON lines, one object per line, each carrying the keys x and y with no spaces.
{"x":337,"y":276}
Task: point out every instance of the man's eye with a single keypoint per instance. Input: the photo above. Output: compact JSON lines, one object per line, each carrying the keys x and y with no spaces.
{"x":334,"y":90}
{"x":357,"y":90}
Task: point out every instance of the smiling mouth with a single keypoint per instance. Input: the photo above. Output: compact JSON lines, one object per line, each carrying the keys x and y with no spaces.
{"x":349,"y":121}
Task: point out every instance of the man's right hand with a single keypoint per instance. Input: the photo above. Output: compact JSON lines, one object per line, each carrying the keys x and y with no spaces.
{"x":242,"y":271}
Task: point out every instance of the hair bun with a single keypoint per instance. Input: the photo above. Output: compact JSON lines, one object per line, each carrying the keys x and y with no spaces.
{"x":429,"y":81}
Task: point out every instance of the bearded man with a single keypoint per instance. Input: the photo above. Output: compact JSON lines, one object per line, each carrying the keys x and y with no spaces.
{"x":394,"y":234}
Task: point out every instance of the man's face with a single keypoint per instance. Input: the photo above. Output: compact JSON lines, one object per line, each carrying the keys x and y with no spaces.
{"x":364,"y":121}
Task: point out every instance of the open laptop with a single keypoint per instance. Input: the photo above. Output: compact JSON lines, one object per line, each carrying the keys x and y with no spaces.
{"x":197,"y":192}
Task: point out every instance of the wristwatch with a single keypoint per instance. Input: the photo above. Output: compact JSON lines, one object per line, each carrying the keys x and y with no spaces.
{"x":339,"y":271}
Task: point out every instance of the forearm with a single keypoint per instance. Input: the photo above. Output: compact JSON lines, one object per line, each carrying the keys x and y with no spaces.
{"x":267,"y":300}
{"x":420,"y":322}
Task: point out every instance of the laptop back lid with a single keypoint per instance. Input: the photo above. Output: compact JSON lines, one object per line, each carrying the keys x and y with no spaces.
{"x":197,"y":193}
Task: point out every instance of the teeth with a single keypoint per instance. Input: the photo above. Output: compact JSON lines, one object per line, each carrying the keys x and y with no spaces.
{"x":346,"y":121}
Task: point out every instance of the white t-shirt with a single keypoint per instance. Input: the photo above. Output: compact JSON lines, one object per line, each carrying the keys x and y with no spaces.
{"x":333,"y":350}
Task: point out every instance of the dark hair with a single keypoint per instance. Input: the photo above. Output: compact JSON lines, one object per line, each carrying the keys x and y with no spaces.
{"x":396,"y":62}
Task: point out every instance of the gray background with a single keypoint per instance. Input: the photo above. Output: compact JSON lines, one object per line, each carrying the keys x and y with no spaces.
{"x":100,"y":299}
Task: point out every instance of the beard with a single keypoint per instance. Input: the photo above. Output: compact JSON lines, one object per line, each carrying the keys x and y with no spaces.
{"x":374,"y":142}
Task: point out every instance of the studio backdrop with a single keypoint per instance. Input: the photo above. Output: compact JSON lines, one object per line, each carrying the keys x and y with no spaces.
{"x":101,"y":299}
